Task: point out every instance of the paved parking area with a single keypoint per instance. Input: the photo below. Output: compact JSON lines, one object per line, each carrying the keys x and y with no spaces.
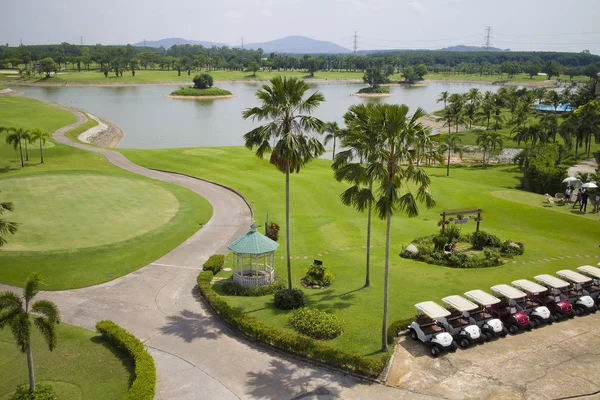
{"x":555,"y":361}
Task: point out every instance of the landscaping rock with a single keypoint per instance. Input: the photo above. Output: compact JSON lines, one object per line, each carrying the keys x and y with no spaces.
{"x":412,"y":249}
{"x":514,"y":245}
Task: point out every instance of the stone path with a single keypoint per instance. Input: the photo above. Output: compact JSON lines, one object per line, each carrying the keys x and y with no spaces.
{"x":196,"y":356}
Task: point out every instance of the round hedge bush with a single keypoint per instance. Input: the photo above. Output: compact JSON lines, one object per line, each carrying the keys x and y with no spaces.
{"x":41,"y":392}
{"x":287,"y":301}
{"x":316,"y":323}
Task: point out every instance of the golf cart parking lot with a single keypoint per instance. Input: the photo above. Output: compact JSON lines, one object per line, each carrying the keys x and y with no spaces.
{"x":559,"y":360}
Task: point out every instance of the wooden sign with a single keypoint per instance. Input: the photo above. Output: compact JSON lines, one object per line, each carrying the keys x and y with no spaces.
{"x":461,"y":220}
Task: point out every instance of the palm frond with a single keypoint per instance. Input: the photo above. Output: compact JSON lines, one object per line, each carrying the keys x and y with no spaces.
{"x":48,"y":331}
{"x":32,"y":286}
{"x":21,"y":330}
{"x":48,"y":309}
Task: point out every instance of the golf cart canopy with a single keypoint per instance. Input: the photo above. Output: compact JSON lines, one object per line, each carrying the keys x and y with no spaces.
{"x":482,"y":298}
{"x":432,"y":309}
{"x":573,"y":276}
{"x":589,"y":270}
{"x":529,"y":287}
{"x":459,"y":303}
{"x":551,"y":281}
{"x":508,"y":291}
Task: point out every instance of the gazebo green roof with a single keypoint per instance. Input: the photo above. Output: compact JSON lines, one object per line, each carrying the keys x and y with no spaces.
{"x":253,"y":242}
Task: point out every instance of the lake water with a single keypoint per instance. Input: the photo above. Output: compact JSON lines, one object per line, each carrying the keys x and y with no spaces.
{"x":149,"y":119}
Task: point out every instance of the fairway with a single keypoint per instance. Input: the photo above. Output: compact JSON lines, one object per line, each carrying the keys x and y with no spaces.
{"x":81,"y":366}
{"x":86,"y":210}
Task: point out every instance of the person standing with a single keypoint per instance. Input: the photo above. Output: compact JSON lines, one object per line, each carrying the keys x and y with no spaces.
{"x":568,"y":193}
{"x":597,"y":205}
{"x":577,"y":198}
{"x":584,"y":200}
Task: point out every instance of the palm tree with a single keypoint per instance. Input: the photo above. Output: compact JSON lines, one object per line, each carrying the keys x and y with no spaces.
{"x":15,"y":137}
{"x":18,"y":316}
{"x":282,"y":102}
{"x":452,"y":143}
{"x":486,"y":112}
{"x":443,"y":97}
{"x":392,"y":169}
{"x":333,"y":132}
{"x":38,"y":135}
{"x":471,"y":113}
{"x":6,"y":227}
{"x":488,"y":141}
{"x":361,"y":140}
{"x":474,"y":96}
{"x":554,"y":99}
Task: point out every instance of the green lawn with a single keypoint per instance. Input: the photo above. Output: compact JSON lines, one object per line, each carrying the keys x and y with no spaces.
{"x":84,"y":221}
{"x":323,"y":228}
{"x":81,"y":366}
{"x":74,"y":133}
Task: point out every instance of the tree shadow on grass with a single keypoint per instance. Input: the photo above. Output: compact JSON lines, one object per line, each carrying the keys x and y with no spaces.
{"x":344,"y":300}
{"x":126,"y":360}
{"x":189,"y":325}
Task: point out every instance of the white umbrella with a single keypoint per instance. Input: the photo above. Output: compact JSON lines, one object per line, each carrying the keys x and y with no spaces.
{"x":589,"y":185}
{"x":570,"y":179}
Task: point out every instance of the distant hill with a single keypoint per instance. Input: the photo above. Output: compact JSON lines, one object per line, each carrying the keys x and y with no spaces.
{"x":166,"y":43}
{"x":461,"y":47}
{"x":298,"y":45}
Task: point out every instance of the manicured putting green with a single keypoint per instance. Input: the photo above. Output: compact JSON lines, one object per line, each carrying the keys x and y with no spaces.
{"x":73,"y":210}
{"x":81,"y":366}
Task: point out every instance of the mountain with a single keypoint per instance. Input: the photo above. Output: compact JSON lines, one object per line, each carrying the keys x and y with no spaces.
{"x":166,"y":43}
{"x":463,"y":48}
{"x":298,"y":45}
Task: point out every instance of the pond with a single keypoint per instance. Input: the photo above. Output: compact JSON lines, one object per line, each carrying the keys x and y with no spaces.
{"x":150,"y":119}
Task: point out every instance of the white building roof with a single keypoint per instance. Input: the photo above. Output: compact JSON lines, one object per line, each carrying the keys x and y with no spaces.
{"x":482,"y":298}
{"x":459,"y":303}
{"x":529,"y":286}
{"x":589,"y":270}
{"x":432,"y":309}
{"x":573,"y":276}
{"x":551,"y":281}
{"x":508,"y":291}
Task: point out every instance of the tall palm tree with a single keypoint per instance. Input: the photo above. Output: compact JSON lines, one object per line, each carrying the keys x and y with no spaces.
{"x":474,"y":96}
{"x":471,"y":113}
{"x":18,"y":316}
{"x":451,"y":143}
{"x":443,"y":97}
{"x":362,"y":141}
{"x":6,"y":227}
{"x":15,"y":137}
{"x":554,"y":99}
{"x":393,"y":170}
{"x":38,"y":135}
{"x":283,"y":104}
{"x":332,"y":131}
{"x":486,"y":112}
{"x":488,"y":141}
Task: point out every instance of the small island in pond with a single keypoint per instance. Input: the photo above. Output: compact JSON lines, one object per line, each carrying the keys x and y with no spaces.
{"x":374,"y":77}
{"x":202,"y":89}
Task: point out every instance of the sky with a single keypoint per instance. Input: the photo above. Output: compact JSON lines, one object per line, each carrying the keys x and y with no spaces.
{"x":553,"y":25}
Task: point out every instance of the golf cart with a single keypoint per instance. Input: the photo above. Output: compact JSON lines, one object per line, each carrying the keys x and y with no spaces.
{"x":563,"y":290}
{"x":490,"y":326}
{"x":464,"y":329}
{"x":582,"y":285}
{"x":519,"y":301}
{"x":514,"y":320}
{"x":593,"y":288}
{"x":429,"y":331}
{"x":559,"y":309}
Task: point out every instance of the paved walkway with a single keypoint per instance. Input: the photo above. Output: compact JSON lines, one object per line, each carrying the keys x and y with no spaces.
{"x":586,"y":166}
{"x":196,"y":356}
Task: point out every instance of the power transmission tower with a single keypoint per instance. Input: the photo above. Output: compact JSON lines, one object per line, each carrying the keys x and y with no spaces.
{"x":81,"y":40}
{"x":488,"y":36}
{"x":355,"y":41}
{"x":242,"y":43}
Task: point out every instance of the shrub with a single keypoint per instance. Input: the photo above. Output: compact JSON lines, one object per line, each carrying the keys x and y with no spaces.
{"x":452,"y":233}
{"x":233,"y":289}
{"x":317,"y":275}
{"x":482,"y":239}
{"x":214,"y":263}
{"x":316,"y":323}
{"x":193,"y":91}
{"x":144,"y":383}
{"x":439,"y":242}
{"x":203,"y":81}
{"x":510,"y":248}
{"x":541,"y":174}
{"x":273,"y":231}
{"x":285,"y":300}
{"x":286,"y":341}
{"x":374,"y":90}
{"x":41,"y":392}
{"x":396,"y":327}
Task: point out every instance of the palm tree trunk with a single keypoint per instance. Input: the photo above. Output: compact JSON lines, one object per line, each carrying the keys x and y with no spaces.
{"x":333,"y":157}
{"x":287,"y":226}
{"x":448,"y":165}
{"x":483,"y":161}
{"x":21,"y":153}
{"x":384,"y":344}
{"x":41,"y":152}
{"x":30,"y":367}
{"x":368,"y":277}
{"x":26,"y":151}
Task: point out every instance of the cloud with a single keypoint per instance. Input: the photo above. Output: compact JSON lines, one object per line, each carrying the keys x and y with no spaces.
{"x":266,"y":13}
{"x":234,"y":15}
{"x":417,"y":6}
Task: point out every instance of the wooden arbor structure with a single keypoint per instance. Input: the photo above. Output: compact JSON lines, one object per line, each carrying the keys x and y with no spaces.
{"x":253,"y":256}
{"x":462,"y":211}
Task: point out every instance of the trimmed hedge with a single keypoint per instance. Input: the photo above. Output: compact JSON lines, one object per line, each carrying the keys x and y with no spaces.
{"x":190,"y":91}
{"x":394,"y":329}
{"x":286,"y":341}
{"x":144,"y":384}
{"x":374,"y":90}
{"x":41,"y":392}
{"x":316,"y":323}
{"x":286,"y":300}
{"x":233,"y":289}
{"x":214,"y":263}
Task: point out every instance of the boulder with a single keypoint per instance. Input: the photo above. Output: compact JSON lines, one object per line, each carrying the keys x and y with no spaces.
{"x":412,"y":249}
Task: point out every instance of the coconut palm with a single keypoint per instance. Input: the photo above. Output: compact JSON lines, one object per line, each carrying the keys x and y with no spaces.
{"x":488,"y":141}
{"x":16,"y":137}
{"x":471,"y":113}
{"x":474,"y":96}
{"x":392,"y":170}
{"x":6,"y":227}
{"x":554,"y":99}
{"x":332,"y":131}
{"x":443,"y":97}
{"x":486,"y":112}
{"x":18,"y":317}
{"x":362,"y":141}
{"x":451,"y":143}
{"x":37,"y":135}
{"x":283,"y":104}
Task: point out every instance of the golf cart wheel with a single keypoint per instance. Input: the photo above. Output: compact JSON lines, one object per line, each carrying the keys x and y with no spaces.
{"x":434,"y":351}
{"x":464,"y":342}
{"x":535,"y":323}
{"x":413,"y":334}
{"x":580,"y":311}
{"x":513,"y":329}
{"x":557,"y":317}
{"x":487,"y":336}
{"x":504,"y":331}
{"x":453,"y":347}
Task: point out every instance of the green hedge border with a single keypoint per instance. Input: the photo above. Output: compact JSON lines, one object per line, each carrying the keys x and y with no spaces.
{"x":290,"y":342}
{"x":144,"y":384}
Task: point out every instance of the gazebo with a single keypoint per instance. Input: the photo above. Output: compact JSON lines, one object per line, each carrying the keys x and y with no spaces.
{"x":253,"y":256}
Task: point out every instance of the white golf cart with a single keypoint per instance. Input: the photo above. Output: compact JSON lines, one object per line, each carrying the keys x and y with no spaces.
{"x":581,"y":284}
{"x":464,"y":330}
{"x":517,"y":299}
{"x":558,"y":287}
{"x":490,"y":327}
{"x":559,"y":308}
{"x":593,"y":289}
{"x":429,"y":331}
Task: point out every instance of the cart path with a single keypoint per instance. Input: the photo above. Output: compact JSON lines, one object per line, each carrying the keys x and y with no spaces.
{"x":587,"y":166}
{"x":197,"y":356}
